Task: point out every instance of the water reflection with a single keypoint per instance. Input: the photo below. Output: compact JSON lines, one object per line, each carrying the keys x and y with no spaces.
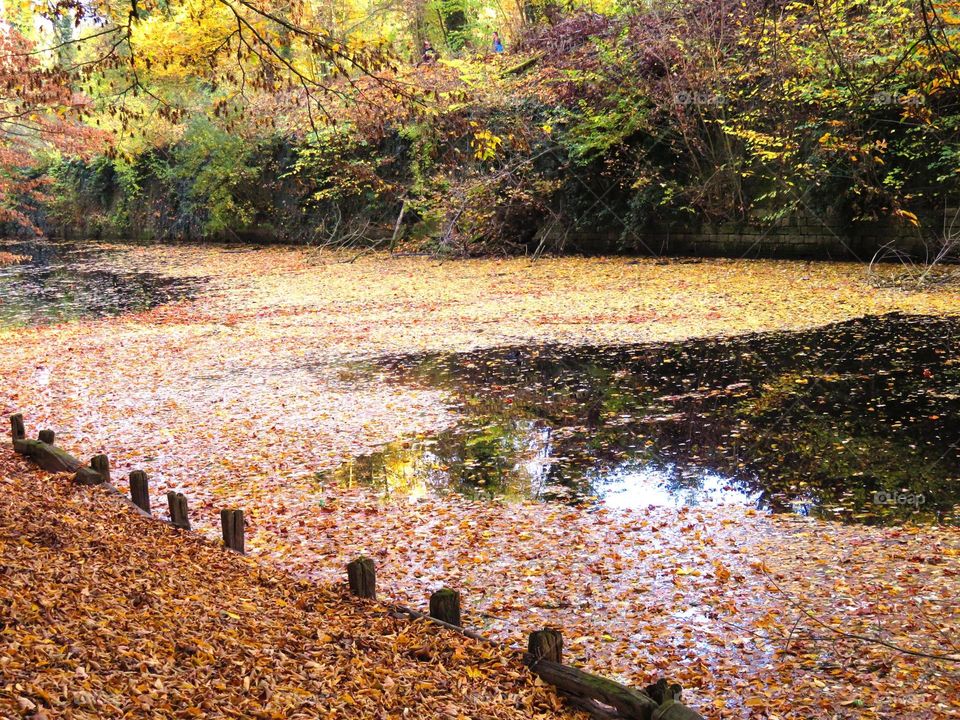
{"x":633,"y":486}
{"x":64,"y":281}
{"x":833,"y":422}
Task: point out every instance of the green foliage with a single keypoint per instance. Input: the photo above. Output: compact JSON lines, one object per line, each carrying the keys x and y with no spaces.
{"x":215,"y":167}
{"x":592,"y":132}
{"x":422,"y":142}
{"x":84,"y":198}
{"x":336,"y":166}
{"x":602,"y":124}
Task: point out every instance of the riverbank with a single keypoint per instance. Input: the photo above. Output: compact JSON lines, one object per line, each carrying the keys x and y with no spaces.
{"x":109,"y":614}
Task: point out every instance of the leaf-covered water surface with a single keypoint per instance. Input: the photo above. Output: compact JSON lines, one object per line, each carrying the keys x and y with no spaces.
{"x":53,"y":282}
{"x":279,"y":371}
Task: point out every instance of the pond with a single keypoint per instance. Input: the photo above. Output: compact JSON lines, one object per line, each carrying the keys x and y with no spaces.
{"x":62,"y":281}
{"x":858,"y":421}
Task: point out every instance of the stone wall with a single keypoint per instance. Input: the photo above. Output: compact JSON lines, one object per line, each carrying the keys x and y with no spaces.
{"x":804,"y":236}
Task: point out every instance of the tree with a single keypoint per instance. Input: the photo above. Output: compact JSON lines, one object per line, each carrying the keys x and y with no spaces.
{"x":245,"y":45}
{"x":38,"y":111}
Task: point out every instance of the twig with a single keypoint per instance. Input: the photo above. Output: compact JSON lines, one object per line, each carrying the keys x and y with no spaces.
{"x":855,"y":636}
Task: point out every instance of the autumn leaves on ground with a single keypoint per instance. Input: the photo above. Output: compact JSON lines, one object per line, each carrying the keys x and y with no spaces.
{"x":107,"y":614}
{"x":241,"y":397}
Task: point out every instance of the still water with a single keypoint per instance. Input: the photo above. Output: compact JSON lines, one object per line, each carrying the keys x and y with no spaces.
{"x":62,"y":281}
{"x":858,"y":421}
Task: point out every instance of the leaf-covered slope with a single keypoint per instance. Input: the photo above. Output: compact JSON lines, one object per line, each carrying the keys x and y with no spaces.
{"x":104,"y":613}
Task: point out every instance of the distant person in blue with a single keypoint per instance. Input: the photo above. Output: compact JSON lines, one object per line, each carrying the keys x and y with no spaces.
{"x":497,"y":45}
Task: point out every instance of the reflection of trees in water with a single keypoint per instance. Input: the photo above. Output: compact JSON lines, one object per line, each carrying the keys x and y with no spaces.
{"x":829,"y":416}
{"x":499,"y":460}
{"x":59,"y":283}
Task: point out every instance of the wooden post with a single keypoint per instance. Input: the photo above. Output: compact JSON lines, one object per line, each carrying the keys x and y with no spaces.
{"x":101,"y":464}
{"x":545,"y":644}
{"x":362,"y":576}
{"x":17,"y":429}
{"x":231,"y":522}
{"x":445,"y":606}
{"x":46,"y":436}
{"x":178,"y":510}
{"x":140,"y":490}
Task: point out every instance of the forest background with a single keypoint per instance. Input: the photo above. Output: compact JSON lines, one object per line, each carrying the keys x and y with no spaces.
{"x":324,"y":123}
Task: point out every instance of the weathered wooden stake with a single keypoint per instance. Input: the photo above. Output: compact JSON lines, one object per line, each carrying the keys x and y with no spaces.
{"x":362,"y":576}
{"x":101,"y":463}
{"x":17,"y":429}
{"x":178,"y":510}
{"x":46,"y":436}
{"x":445,"y":606}
{"x":668,"y":696}
{"x":545,"y":644}
{"x":140,"y":490}
{"x":231,"y":522}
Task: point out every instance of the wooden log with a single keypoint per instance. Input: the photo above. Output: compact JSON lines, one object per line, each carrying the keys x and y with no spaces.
{"x":17,"y":429}
{"x":50,"y":458}
{"x":667,"y":696}
{"x":362,"y":577}
{"x":591,"y":707}
{"x":88,"y":476}
{"x":590,"y":693}
{"x":53,"y":459}
{"x":675,"y":710}
{"x":661,"y":691}
{"x":520,"y":67}
{"x":400,"y":611}
{"x":179,"y":516}
{"x":445,"y":606}
{"x":140,"y":490}
{"x":231,"y":523}
{"x":47,"y":436}
{"x":546,"y":644}
{"x":577,"y":686}
{"x":584,"y":687}
{"x":101,"y":464}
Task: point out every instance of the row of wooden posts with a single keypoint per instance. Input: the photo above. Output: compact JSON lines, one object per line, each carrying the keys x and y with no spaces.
{"x":48,"y":456}
{"x":600,"y":697}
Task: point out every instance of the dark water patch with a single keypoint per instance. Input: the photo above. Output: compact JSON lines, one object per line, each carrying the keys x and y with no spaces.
{"x":64,"y":281}
{"x":858,"y":421}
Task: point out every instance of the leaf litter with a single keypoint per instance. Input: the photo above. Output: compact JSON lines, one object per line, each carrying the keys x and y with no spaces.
{"x":241,"y":397}
{"x":106,"y":613}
